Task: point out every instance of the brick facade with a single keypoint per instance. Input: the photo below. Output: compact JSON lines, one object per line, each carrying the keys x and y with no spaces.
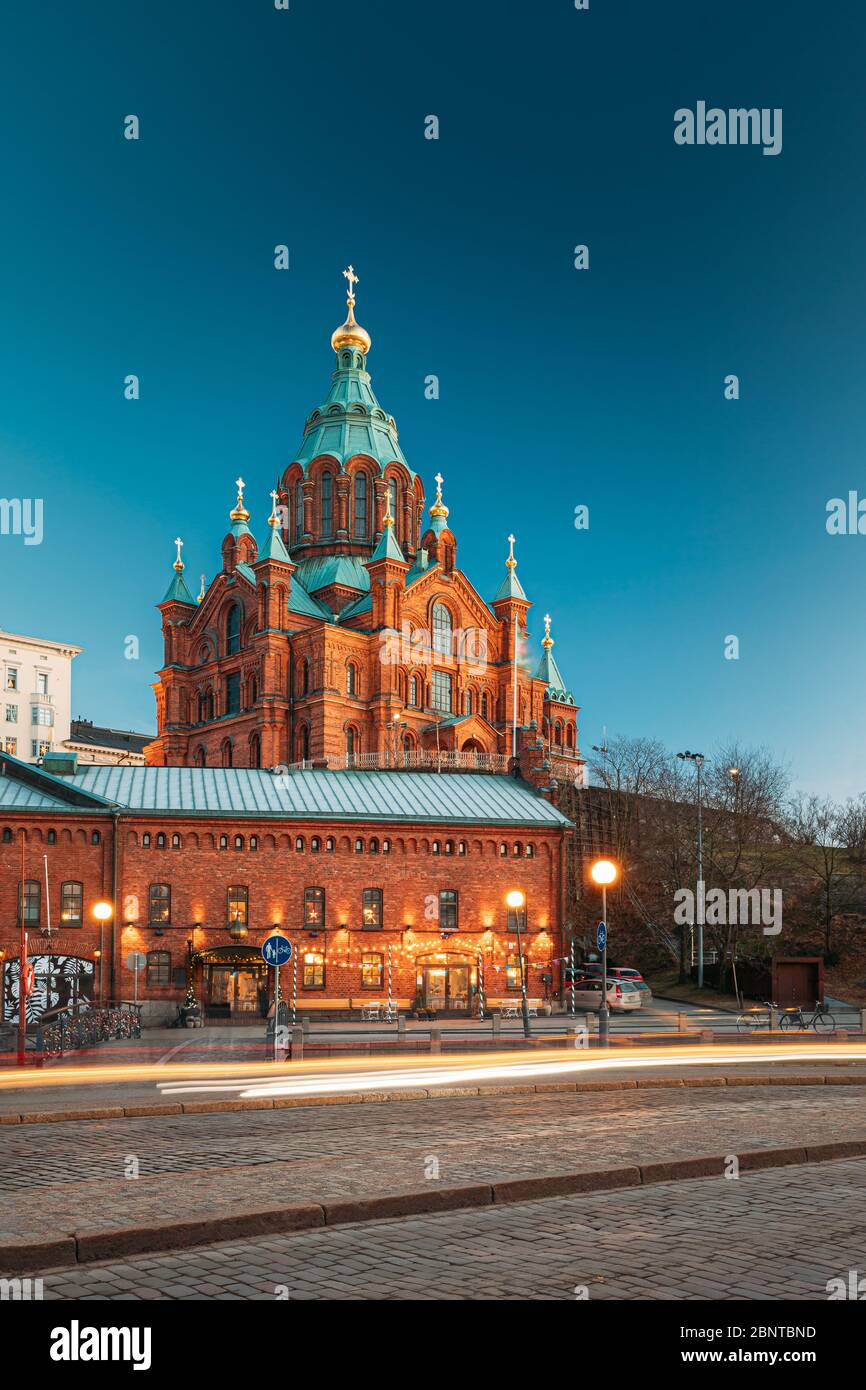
{"x":410,"y":864}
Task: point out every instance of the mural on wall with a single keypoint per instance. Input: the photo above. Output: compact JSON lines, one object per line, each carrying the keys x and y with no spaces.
{"x":58,"y":980}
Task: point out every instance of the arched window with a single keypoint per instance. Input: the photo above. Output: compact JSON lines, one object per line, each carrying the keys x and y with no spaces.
{"x":393,"y":502}
{"x":327,"y":509}
{"x":413,"y":691}
{"x":299,"y":512}
{"x":71,"y":904}
{"x":304,"y":678}
{"x":351,"y":679}
{"x":253,"y":690}
{"x":467,"y":702}
{"x":233,"y":630}
{"x":442,"y":637}
{"x":353,"y":744}
{"x":227,"y":753}
{"x":255,"y":751}
{"x":484,"y":706}
{"x":200,"y":757}
{"x":303,"y":743}
{"x":361,"y":528}
{"x":440,"y":691}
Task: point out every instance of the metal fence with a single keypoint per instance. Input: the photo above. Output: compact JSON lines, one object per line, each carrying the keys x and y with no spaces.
{"x":87,"y":1027}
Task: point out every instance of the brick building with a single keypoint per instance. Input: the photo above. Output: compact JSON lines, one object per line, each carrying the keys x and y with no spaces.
{"x":351,"y":637}
{"x":350,"y":746}
{"x":366,"y":872}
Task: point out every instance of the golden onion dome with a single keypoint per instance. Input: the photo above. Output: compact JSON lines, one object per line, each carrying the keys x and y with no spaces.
{"x":350,"y":333}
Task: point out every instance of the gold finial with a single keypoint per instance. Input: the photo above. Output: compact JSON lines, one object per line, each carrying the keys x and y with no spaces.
{"x":178,"y":564}
{"x":273,"y":519}
{"x":387,"y":519}
{"x":350,"y":333}
{"x":511,"y":562}
{"x":200,"y":598}
{"x":547,"y":640}
{"x":240,"y":513}
{"x":439,"y":508}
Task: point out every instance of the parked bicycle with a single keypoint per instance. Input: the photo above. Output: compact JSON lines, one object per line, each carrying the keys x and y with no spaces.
{"x":821,"y":1019}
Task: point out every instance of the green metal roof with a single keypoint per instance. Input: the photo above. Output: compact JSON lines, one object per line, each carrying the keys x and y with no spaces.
{"x":321,"y":570}
{"x":549,"y":672}
{"x":273,"y":548}
{"x":388,"y":547}
{"x":177,"y":591}
{"x":510,"y":587}
{"x":434,"y":798}
{"x":350,"y":420}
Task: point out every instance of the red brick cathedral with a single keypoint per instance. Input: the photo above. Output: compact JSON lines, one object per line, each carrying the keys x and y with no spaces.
{"x":350,"y":636}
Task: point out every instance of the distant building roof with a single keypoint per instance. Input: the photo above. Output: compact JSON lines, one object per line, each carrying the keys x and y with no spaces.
{"x":97,"y":736}
{"x":456,"y":798}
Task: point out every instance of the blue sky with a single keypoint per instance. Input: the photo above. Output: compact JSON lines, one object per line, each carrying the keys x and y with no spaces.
{"x":558,"y":387}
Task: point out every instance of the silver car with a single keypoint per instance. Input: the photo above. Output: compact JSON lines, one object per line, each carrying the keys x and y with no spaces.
{"x":622,"y":995}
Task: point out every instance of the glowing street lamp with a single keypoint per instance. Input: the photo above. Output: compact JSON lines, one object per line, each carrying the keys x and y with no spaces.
{"x":604,"y":872}
{"x":102,"y":912}
{"x":516,"y":901}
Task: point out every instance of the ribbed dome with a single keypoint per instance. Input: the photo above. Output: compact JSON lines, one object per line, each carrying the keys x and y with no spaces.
{"x":350,"y":333}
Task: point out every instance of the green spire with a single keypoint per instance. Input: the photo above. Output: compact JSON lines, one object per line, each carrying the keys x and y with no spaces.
{"x":549,"y":672}
{"x":177,"y":591}
{"x":239,"y":516}
{"x":273,"y":548}
{"x":388,"y":547}
{"x":511,"y":586}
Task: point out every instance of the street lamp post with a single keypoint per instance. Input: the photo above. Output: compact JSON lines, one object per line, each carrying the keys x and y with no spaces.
{"x":698,"y":760}
{"x":516,"y":901}
{"x":103,"y":912}
{"x":604,"y":872}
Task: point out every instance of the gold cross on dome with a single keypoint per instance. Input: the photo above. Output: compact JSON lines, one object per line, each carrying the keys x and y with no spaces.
{"x":511,"y":562}
{"x":178,"y":564}
{"x":240,"y":485}
{"x":274,"y":496}
{"x":547,"y":624}
{"x":349,"y":274}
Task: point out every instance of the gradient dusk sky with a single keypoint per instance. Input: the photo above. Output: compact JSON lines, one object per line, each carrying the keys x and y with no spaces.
{"x":558,"y":387}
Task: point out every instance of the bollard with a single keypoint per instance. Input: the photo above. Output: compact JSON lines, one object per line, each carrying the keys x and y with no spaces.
{"x":297,"y":1044}
{"x":774,"y":1019}
{"x":682,"y":1023}
{"x":401,"y":1023}
{"x":305,"y":1024}
{"x":435,"y":1039}
{"x":497,"y":1023}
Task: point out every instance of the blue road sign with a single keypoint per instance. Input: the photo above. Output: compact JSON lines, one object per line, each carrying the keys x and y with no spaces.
{"x":600,"y":936}
{"x":276,"y":950}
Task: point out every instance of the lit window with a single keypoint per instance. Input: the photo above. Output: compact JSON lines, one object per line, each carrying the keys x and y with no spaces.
{"x":314,"y":970}
{"x":371,"y":907}
{"x":237,"y":905}
{"x":314,"y":907}
{"x":448,"y":909}
{"x":158,"y":971}
{"x":159,"y":904}
{"x":71,"y":904}
{"x":372,"y":970}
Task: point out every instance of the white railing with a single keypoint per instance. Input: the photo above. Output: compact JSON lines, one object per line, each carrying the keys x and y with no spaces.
{"x":426,"y":760}
{"x":567,"y":770}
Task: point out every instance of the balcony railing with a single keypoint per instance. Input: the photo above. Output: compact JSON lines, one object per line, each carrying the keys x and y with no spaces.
{"x":428,"y":760}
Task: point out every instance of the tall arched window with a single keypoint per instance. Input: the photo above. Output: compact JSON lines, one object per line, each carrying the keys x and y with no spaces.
{"x":485,"y":706}
{"x":361,"y":504}
{"x":233,"y":630}
{"x":255,"y":751}
{"x":393,"y":502}
{"x":304,"y":677}
{"x":353,"y":744}
{"x":413,"y":691}
{"x":467,"y":702}
{"x":303,"y":743}
{"x":327,"y":510}
{"x":227,"y":753}
{"x":201,"y":758}
{"x":442,"y":637}
{"x":351,"y":679}
{"x":299,"y":512}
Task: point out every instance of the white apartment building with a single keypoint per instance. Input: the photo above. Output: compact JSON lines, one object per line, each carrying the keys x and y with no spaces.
{"x":36,"y":699}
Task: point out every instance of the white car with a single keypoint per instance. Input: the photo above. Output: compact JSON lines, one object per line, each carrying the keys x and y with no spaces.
{"x":622,"y":995}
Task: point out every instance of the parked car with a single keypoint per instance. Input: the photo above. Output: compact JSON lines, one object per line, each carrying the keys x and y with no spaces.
{"x":623,"y":972}
{"x":622,"y":995}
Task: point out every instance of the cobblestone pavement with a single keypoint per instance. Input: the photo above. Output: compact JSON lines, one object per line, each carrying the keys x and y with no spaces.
{"x":70,"y":1177}
{"x":778,"y":1234}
